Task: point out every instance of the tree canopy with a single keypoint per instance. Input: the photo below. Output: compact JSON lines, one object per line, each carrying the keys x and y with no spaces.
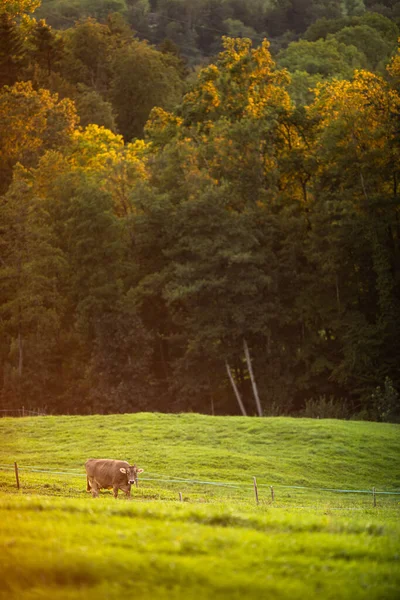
{"x":192,"y":220}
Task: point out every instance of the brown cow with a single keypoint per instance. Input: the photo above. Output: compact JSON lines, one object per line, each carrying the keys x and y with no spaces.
{"x":110,"y":474}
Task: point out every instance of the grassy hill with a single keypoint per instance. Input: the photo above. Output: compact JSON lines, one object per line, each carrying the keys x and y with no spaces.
{"x":56,"y":541}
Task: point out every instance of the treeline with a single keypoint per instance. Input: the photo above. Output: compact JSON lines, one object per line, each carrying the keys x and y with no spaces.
{"x":136,"y":273}
{"x":196,"y":26}
{"x":106,"y":68}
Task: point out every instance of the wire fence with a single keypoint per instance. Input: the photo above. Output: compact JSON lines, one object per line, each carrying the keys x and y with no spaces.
{"x":240,"y":487}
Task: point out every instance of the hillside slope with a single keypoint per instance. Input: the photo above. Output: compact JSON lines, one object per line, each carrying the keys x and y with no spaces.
{"x":278,"y":451}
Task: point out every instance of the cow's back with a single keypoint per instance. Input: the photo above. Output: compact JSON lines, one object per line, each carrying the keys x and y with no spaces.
{"x":106,"y":471}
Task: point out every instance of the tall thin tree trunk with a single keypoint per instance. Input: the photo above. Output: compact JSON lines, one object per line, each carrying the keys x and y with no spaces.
{"x":235,"y":389}
{"x":253,"y":381}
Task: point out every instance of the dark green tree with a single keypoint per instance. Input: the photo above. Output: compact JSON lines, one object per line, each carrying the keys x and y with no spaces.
{"x":92,"y":108}
{"x":31,"y":302}
{"x":143,"y":78}
{"x":11,"y":51}
{"x":89,"y":52}
{"x":119,"y":374}
{"x":48,"y":47}
{"x":327,"y":58}
{"x":369,"y":42}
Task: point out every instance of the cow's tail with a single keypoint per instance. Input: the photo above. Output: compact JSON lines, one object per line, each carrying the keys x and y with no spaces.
{"x":88,"y":488}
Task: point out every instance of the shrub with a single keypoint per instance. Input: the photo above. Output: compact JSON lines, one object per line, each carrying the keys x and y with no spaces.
{"x":323,"y":408}
{"x":386,"y":402}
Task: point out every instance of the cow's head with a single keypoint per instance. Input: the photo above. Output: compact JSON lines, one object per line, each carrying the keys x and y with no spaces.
{"x":132,"y":473}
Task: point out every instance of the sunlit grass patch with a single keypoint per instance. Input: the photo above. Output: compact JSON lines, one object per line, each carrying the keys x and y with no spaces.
{"x":159,"y":548}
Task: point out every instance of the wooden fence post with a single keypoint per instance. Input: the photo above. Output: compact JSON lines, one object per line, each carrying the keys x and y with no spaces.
{"x":255,"y":489}
{"x":374,"y":495}
{"x":23,"y":411}
{"x":16,"y":474}
{"x":272,"y":493}
{"x":180,"y":497}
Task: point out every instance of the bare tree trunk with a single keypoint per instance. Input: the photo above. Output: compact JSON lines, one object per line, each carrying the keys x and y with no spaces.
{"x":235,"y":389}
{"x":253,"y":381}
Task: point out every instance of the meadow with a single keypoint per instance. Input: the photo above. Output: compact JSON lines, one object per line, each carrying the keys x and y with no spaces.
{"x":319,"y":537}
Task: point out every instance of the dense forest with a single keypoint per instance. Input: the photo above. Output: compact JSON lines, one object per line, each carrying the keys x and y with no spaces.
{"x":199,"y":206}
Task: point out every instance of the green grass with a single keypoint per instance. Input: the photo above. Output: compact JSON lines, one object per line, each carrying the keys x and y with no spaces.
{"x":56,"y":541}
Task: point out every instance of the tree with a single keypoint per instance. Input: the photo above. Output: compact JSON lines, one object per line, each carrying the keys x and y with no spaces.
{"x":217,"y":263}
{"x":354,"y":7}
{"x":89,"y":52}
{"x":358,"y":174}
{"x":94,"y":251}
{"x":302,"y":87}
{"x":369,"y":41}
{"x":117,"y":168}
{"x":143,"y":78}
{"x":244,"y":81}
{"x":120,"y":368}
{"x":100,"y":9}
{"x":93,"y":109}
{"x":223,"y":166}
{"x":137,"y":15}
{"x":31,"y":303}
{"x":235,"y":28}
{"x":15,"y":8}
{"x":31,"y":122}
{"x":328,"y":58}
{"x":47,"y":47}
{"x":11,"y":51}
{"x":92,"y":240}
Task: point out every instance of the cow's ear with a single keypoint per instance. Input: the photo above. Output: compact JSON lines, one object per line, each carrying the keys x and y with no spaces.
{"x":123,"y":470}
{"x":140,"y":470}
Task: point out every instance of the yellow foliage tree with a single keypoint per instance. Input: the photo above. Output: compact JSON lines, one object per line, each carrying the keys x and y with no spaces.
{"x":244,"y":82}
{"x":394,"y":66}
{"x":356,"y":134}
{"x":100,"y":155}
{"x":236,"y":122}
{"x":16,"y":8}
{"x":31,"y":122}
{"x":117,"y":166}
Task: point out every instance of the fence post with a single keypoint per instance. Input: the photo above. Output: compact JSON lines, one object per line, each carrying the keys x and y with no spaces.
{"x":272,"y":493}
{"x":180,"y":497}
{"x":23,"y":411}
{"x":16,"y":474}
{"x":374,"y":495}
{"x":255,"y":489}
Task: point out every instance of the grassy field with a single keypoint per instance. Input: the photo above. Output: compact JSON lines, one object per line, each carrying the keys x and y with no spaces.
{"x":56,"y":541}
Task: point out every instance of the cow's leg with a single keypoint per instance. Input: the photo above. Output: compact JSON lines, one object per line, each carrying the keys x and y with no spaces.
{"x":127,"y":490}
{"x":95,"y":488}
{"x":115,"y":488}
